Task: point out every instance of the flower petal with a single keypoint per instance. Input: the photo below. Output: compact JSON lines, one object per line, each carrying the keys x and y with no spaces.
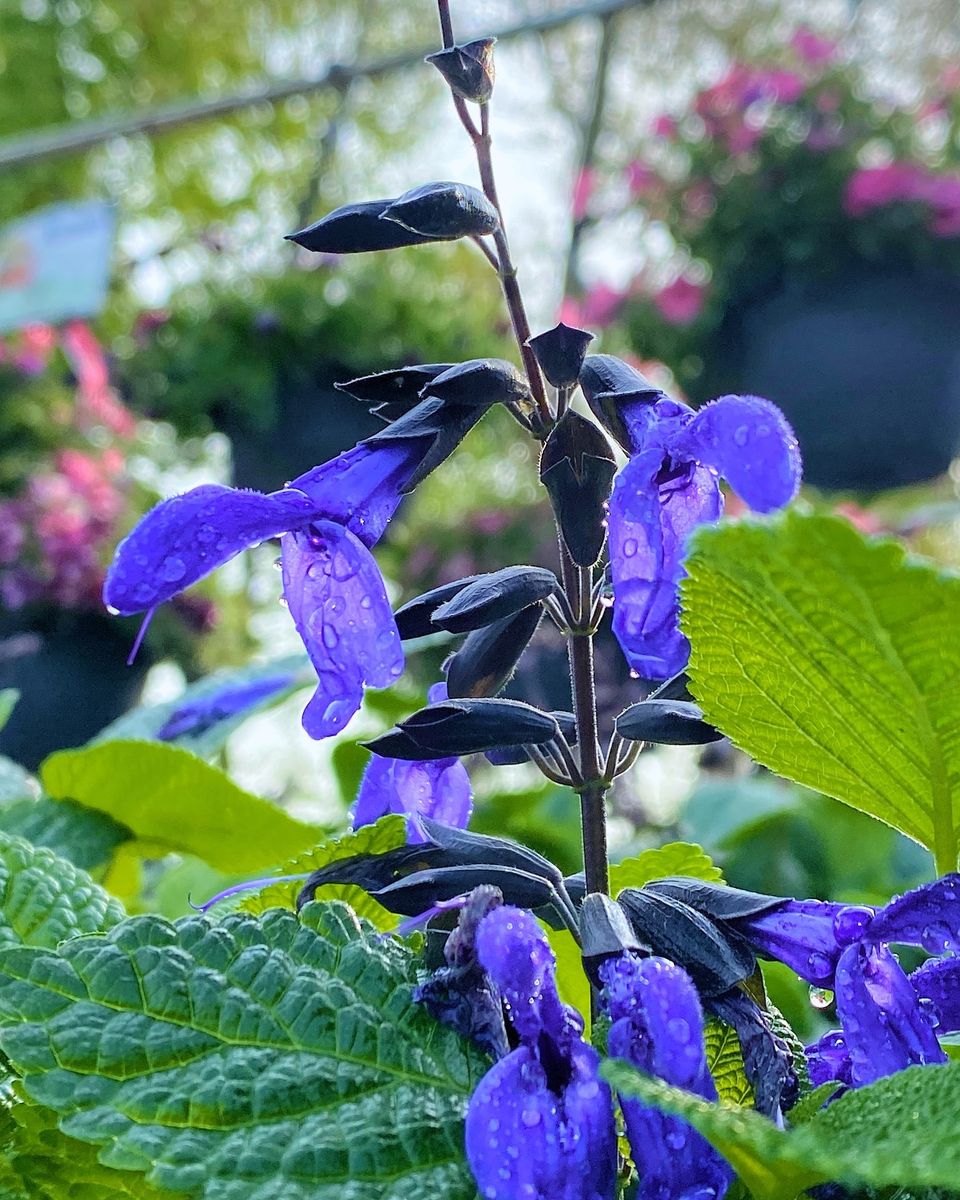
{"x":658,"y":1026}
{"x":648,"y":528}
{"x":656,"y":426}
{"x":883,"y":1021}
{"x":749,"y":442}
{"x":799,"y":933}
{"x":362,"y":487}
{"x":829,"y":1059}
{"x":515,"y":953}
{"x":439,"y":788}
{"x":336,"y":597}
{"x":938,"y":982}
{"x":184,"y":538}
{"x":929,"y":916}
{"x":525,"y":1141}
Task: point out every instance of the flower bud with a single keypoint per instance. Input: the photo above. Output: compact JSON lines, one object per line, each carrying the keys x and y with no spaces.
{"x":468,"y":69}
{"x":560,"y":352}
{"x":443,"y":210}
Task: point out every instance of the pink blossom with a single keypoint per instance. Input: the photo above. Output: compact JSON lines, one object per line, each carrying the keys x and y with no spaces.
{"x":571,"y":312}
{"x":680,"y":302}
{"x":742,"y":138}
{"x":812,"y":48}
{"x":779,"y":84}
{"x":942,"y":193}
{"x":582,"y":192}
{"x":872,"y":187}
{"x":665,"y":126}
{"x":642,"y":179}
{"x":601,"y":305}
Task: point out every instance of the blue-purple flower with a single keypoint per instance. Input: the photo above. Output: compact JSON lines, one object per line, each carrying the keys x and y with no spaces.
{"x":658,"y":1027}
{"x":540,"y":1124}
{"x":438,"y":788}
{"x":671,"y":485}
{"x":888,"y":1020}
{"x":329,"y":519}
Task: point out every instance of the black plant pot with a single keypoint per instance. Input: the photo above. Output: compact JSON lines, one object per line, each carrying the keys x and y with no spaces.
{"x":314,"y":423}
{"x":865,"y":364}
{"x":71,"y":672}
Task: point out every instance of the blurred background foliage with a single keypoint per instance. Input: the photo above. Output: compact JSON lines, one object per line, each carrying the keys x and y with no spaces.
{"x":216,"y":330}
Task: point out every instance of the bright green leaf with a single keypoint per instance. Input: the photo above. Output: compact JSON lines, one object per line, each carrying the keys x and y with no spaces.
{"x":174,"y":801}
{"x":50,"y":1166}
{"x":676,"y":858}
{"x":269,"y":1057}
{"x":830,"y":659}
{"x":898,"y":1132}
{"x":725,"y":1060}
{"x":385,"y":834}
{"x":44,"y":899}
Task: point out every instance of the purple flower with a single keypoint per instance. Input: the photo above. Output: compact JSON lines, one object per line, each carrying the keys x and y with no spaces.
{"x":197,"y":716}
{"x":888,"y":1020}
{"x":330,"y":517}
{"x":540,"y":1124}
{"x":658,"y":1027}
{"x":671,"y":485}
{"x":438,"y":788}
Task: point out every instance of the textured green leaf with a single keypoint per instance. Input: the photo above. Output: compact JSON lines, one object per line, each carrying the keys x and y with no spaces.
{"x":725,"y":1060}
{"x":47,"y":1165}
{"x":385,"y":834}
{"x":899,"y":1132}
{"x":250,"y":1059}
{"x":87,"y":838}
{"x":833,"y":660}
{"x":146,"y":721}
{"x":676,"y":858}
{"x":45,"y":899}
{"x":174,"y":801}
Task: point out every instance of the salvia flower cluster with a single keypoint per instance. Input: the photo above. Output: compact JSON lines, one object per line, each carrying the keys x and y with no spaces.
{"x":663,"y":959}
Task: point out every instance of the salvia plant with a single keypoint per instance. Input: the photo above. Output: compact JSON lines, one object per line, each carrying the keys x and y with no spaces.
{"x":388,"y":1013}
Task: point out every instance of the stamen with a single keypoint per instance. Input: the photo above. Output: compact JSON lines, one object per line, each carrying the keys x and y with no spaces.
{"x":244,"y":887}
{"x":144,"y":626}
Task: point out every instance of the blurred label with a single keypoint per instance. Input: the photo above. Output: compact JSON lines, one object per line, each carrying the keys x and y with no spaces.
{"x":55,"y":264}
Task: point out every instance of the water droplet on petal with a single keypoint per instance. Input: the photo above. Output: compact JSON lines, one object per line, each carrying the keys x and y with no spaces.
{"x":741,"y":435}
{"x":172,"y":569}
{"x":629,"y":547}
{"x":530,"y":1117}
{"x":821,"y":997}
{"x":849,"y":925}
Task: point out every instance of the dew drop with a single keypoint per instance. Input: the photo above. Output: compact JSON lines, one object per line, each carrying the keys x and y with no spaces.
{"x":330,"y":637}
{"x":849,"y":925}
{"x":629,"y":547}
{"x":172,"y":569}
{"x":820,"y":966}
{"x":741,"y":435}
{"x":821,"y":997}
{"x":530,"y":1117}
{"x":114,"y":612}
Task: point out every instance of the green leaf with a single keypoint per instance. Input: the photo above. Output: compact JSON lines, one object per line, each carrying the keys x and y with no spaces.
{"x":145,"y":722}
{"x":87,"y":838}
{"x":175,"y":802}
{"x":50,"y":1166}
{"x":898,"y":1132}
{"x":44,"y":899}
{"x":725,"y":1060}
{"x":8,"y":702}
{"x":16,"y":783}
{"x":248,"y":1058}
{"x":676,"y":858}
{"x":830,"y":659}
{"x":385,"y":834}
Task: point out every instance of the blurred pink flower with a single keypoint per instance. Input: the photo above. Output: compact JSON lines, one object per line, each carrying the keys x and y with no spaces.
{"x":872,"y":187}
{"x":582,"y":191}
{"x":742,"y":138}
{"x":642,"y":179}
{"x":943,"y":195}
{"x":665,"y":126}
{"x":601,"y":305}
{"x":786,"y":87}
{"x":813,"y":49}
{"x":680,"y":302}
